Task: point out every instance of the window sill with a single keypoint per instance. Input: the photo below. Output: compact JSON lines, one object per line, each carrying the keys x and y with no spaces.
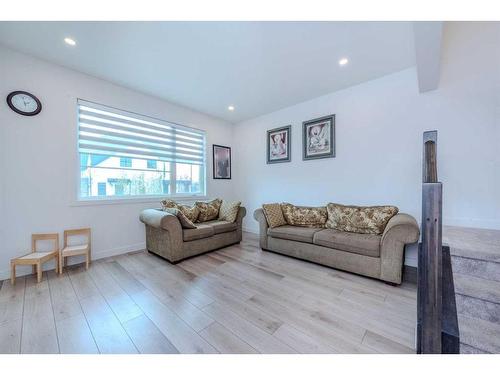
{"x":135,"y":200}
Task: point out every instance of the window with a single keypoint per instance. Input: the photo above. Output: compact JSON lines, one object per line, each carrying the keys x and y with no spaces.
{"x":186,"y":181}
{"x":101,"y":188}
{"x":124,"y":154}
{"x":125,"y":163}
{"x":151,"y":164}
{"x":84,"y":187}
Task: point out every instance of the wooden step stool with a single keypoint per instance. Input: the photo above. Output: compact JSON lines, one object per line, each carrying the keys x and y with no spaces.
{"x":36,"y":259}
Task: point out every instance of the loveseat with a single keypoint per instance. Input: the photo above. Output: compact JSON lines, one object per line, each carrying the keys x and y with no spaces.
{"x":166,"y":237}
{"x":378,"y":256}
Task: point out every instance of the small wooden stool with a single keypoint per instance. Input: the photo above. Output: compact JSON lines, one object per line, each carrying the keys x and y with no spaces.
{"x":74,"y":250}
{"x":37,"y":258}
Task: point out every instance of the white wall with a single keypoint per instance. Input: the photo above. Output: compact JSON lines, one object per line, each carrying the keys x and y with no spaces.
{"x":379,"y":127}
{"x":38,"y":158}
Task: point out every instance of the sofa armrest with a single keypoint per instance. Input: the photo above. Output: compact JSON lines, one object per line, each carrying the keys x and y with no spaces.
{"x":163,"y":233}
{"x":160,"y":219}
{"x":242,"y":212}
{"x":261,"y":218}
{"x":402,"y":229}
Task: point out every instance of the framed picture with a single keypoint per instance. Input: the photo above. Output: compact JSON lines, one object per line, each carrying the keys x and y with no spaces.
{"x":222,"y":162}
{"x":278,"y":145}
{"x":318,"y":138}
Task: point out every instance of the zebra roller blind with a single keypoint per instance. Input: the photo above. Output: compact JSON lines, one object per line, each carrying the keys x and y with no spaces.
{"x":104,"y":130}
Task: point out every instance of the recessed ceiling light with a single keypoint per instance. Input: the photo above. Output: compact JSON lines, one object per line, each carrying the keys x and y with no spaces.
{"x":69,"y":41}
{"x":230,"y":108}
{"x":343,"y":61}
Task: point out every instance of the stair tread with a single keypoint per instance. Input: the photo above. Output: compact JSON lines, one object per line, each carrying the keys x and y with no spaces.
{"x":476,"y":267}
{"x":488,"y":290}
{"x":467,"y":349}
{"x":476,"y":276}
{"x":479,"y":333}
{"x":489,"y":256}
{"x":473,"y":243}
{"x":478,"y":308}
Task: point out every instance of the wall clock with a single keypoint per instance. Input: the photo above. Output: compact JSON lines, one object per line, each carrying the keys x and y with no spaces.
{"x":24,"y":103}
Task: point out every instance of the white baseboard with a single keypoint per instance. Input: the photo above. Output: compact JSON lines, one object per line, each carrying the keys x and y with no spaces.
{"x":26,"y":270}
{"x":119,"y":250}
{"x":250,"y":230}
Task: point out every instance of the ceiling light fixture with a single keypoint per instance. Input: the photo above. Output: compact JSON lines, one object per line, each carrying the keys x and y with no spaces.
{"x":343,"y":61}
{"x":230,"y":108}
{"x":69,"y":41}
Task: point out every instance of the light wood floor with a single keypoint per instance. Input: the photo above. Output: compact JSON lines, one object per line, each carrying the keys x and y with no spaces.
{"x":235,"y":300}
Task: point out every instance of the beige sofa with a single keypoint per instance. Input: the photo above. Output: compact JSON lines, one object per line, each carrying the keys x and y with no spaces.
{"x":166,"y":237}
{"x":377,"y":256}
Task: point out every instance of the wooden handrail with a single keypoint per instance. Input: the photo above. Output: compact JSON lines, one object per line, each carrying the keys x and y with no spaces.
{"x":429,"y":164}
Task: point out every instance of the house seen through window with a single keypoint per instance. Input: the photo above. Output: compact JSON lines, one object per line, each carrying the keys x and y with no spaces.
{"x":123,"y":154}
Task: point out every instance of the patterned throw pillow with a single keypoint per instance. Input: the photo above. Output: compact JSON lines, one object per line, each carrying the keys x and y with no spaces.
{"x":168,"y":203}
{"x":274,"y":215}
{"x":208,"y":210}
{"x":185,"y":222}
{"x":366,"y":220}
{"x":314,"y":217}
{"x":229,"y":211}
{"x":190,"y":212}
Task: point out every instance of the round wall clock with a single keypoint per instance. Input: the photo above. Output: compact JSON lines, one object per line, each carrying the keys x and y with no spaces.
{"x":24,"y":103}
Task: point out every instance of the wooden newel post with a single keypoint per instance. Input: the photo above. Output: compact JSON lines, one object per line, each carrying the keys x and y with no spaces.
{"x":430,"y":252}
{"x":437,"y":326}
{"x":430,"y":260}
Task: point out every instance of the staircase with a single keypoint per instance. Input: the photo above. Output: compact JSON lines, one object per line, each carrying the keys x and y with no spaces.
{"x":476,"y":273}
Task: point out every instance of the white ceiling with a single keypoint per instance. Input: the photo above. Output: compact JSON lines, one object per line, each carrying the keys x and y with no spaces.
{"x":258,"y":67}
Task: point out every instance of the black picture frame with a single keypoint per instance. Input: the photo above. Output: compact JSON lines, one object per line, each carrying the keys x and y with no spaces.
{"x":288,"y":130}
{"x":217,"y":175}
{"x":306,"y":125}
{"x":11,"y":106}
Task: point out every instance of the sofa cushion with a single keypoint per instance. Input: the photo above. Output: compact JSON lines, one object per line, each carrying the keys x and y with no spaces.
{"x":208,"y":210}
{"x":358,"y":219}
{"x":190,"y":212}
{"x":221,"y":226}
{"x":201,"y":231}
{"x":304,"y":216}
{"x":273,"y":214}
{"x":229,"y":211}
{"x":363,"y":244}
{"x":185,"y":222}
{"x":168,"y":203}
{"x":293,"y":233}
